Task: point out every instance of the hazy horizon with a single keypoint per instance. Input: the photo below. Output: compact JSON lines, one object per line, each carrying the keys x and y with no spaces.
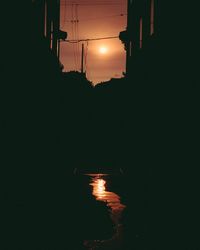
{"x":99,"y":19}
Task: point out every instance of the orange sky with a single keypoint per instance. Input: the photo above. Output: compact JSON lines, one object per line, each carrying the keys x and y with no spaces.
{"x":97,"y":18}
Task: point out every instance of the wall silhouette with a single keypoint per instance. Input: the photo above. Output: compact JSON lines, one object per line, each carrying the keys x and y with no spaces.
{"x":146,"y":123}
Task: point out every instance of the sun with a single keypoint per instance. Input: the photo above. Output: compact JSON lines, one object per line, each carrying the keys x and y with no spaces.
{"x":103,"y":50}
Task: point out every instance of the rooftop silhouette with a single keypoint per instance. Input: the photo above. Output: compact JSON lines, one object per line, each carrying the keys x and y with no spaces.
{"x":145,"y":123}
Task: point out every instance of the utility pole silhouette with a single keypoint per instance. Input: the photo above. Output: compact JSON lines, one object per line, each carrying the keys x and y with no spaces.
{"x":128,"y":43}
{"x":82,"y":59}
{"x":53,"y":24}
{"x":48,"y":23}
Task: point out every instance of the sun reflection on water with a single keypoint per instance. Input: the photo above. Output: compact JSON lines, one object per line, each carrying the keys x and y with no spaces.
{"x":101,"y":194}
{"x":99,"y":189}
{"x":113,"y":202}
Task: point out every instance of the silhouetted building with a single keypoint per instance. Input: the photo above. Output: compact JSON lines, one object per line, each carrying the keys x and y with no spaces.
{"x":140,"y":28}
{"x":160,"y":35}
{"x":47,"y":23}
{"x":161,"y":43}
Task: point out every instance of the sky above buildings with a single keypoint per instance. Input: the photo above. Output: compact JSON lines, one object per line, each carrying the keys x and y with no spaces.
{"x":88,"y":19}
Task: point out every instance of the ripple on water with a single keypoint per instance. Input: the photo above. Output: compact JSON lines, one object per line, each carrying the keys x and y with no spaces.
{"x":113,"y":202}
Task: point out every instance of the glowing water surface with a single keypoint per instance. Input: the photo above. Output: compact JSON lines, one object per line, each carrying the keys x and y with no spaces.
{"x":113,"y":202}
{"x":112,"y":199}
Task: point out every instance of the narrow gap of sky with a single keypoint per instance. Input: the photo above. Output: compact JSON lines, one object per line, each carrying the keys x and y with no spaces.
{"x":96,"y":19}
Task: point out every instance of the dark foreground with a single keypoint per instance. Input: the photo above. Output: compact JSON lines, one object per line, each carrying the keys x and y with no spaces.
{"x":148,"y":126}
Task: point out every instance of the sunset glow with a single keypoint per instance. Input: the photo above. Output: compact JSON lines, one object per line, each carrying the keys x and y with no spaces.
{"x":104,"y":58}
{"x":103,"y":50}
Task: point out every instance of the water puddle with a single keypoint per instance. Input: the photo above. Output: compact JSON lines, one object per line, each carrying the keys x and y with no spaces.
{"x":113,"y":202}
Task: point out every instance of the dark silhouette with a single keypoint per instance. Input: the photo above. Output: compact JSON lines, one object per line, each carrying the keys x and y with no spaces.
{"x":146,"y":122}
